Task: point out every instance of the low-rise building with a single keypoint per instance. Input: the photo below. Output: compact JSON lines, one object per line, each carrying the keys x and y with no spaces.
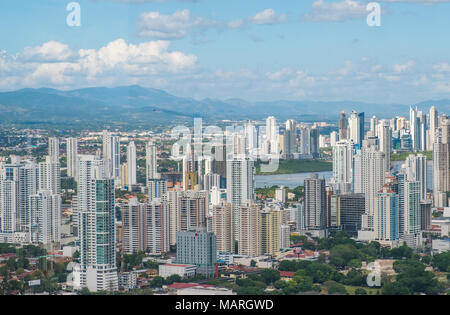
{"x":441,"y":246}
{"x":184,"y":271}
{"x":198,"y":289}
{"x":127,"y":280}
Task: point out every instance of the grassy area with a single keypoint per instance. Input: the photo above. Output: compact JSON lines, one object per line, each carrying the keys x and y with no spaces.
{"x":402,"y":156}
{"x":370,"y":291}
{"x":299,"y":166}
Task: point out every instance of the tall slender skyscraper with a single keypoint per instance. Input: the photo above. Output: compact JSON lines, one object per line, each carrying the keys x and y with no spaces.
{"x":315,"y":203}
{"x":441,"y":164}
{"x":368,"y":179}
{"x":111,"y":154}
{"x":414,"y":127}
{"x":434,"y":124}
{"x":131,"y":164}
{"x":356,"y":128}
{"x":272,"y":136}
{"x":387,"y":214}
{"x":152,"y":161}
{"x":342,"y":126}
{"x":374,"y":126}
{"x":97,"y":232}
{"x":240,"y":185}
{"x":53,"y":149}
{"x":384,"y":134}
{"x":72,"y":157}
{"x":343,"y":154}
{"x":249,"y":230}
{"x":412,"y":214}
{"x":222,"y":221}
{"x":50,"y":176}
{"x":290,"y":139}
{"x":416,"y":171}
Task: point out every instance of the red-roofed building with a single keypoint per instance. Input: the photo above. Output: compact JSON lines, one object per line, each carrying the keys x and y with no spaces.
{"x":287,"y":275}
{"x":198,"y":289}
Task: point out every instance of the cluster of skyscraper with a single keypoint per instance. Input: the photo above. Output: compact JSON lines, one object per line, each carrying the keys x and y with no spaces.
{"x":214,"y":207}
{"x":30,"y":201}
{"x":397,"y":199}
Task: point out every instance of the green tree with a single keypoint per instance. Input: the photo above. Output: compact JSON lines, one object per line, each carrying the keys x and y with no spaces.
{"x":157,"y":282}
{"x":395,"y":288}
{"x":270,"y":275}
{"x":360,"y":291}
{"x":442,"y":262}
{"x":279,"y":284}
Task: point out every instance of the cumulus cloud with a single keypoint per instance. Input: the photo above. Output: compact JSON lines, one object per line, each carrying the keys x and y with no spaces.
{"x":183,"y":23}
{"x":51,"y":51}
{"x":267,"y":17}
{"x":56,"y":64}
{"x":175,"y":26}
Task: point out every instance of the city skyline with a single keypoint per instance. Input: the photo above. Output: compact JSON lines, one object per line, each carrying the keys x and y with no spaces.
{"x":223,"y":148}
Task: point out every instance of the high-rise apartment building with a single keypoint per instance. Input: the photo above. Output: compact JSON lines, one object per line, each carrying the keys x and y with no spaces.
{"x":151,"y":161}
{"x":343,"y":126}
{"x":356,"y":128}
{"x":72,"y":157}
{"x":315,"y":203}
{"x":386,"y":216}
{"x":222,"y":222}
{"x":131,"y":165}
{"x":53,"y":149}
{"x":111,"y":154}
{"x":97,"y":231}
{"x":198,"y":248}
{"x":240,"y":185}
{"x":343,"y":153}
{"x":416,"y":170}
{"x":45,"y":218}
{"x":368,"y":179}
{"x":249,"y":231}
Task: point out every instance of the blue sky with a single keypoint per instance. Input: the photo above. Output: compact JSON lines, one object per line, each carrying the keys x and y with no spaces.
{"x":256,"y":49}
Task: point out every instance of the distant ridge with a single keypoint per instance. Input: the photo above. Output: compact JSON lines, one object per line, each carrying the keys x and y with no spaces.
{"x":136,"y":104}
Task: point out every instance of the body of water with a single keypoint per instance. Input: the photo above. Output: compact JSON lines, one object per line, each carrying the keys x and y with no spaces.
{"x":288,"y":180}
{"x":294,"y":180}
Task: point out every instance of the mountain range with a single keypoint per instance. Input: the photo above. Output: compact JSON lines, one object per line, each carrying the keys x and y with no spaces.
{"x":138,"y":106}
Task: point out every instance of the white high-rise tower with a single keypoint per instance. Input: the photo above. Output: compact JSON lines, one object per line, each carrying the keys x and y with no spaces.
{"x":152,"y":161}
{"x":72,"y":156}
{"x":131,"y":164}
{"x":111,"y":154}
{"x":53,"y":149}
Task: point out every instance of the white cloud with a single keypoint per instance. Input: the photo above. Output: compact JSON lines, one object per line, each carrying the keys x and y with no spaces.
{"x":267,"y":17}
{"x":279,"y":75}
{"x":51,"y":51}
{"x":442,"y":67}
{"x":402,"y":68}
{"x":175,"y":26}
{"x":116,"y":62}
{"x":182,"y":23}
{"x":322,"y":11}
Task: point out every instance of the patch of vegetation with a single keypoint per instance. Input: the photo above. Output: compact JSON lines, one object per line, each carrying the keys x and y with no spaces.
{"x":298,"y":166}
